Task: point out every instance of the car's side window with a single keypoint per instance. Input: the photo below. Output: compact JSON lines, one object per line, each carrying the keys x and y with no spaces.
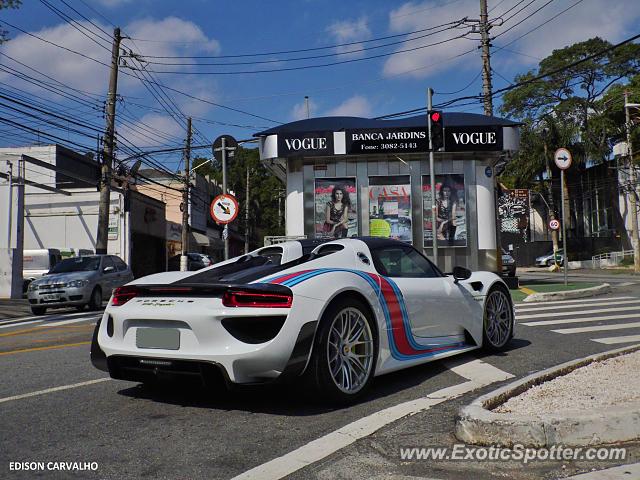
{"x":107,"y":262}
{"x":399,"y":261}
{"x":120,"y":265}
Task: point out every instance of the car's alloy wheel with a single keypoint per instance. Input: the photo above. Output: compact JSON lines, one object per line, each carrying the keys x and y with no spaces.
{"x":498,"y":319}
{"x":350,"y":350}
{"x":344,"y":353}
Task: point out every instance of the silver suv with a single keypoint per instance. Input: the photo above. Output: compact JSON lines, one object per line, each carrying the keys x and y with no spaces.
{"x":78,"y":282}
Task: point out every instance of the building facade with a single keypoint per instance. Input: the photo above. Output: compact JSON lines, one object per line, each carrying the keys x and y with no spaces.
{"x":380,"y":171}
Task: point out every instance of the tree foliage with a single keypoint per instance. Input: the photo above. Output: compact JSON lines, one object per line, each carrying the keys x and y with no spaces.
{"x":4,"y":34}
{"x":266,"y":193}
{"x":573,"y":108}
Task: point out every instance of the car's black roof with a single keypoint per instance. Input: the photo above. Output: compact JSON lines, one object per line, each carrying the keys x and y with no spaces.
{"x":309,"y":244}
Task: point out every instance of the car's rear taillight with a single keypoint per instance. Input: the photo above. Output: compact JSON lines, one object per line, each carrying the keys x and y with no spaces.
{"x":122,"y":295}
{"x":256,"y":299}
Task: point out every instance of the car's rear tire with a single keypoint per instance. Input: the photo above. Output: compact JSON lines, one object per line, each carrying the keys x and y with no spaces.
{"x":498,"y":318}
{"x":38,"y":310}
{"x":95,"y":301}
{"x":345,"y":352}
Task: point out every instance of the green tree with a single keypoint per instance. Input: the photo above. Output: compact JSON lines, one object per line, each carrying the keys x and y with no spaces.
{"x":573,"y":96}
{"x":4,"y":34}
{"x":266,"y":192}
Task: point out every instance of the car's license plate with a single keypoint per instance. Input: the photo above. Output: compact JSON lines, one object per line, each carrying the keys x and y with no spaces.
{"x":51,"y":297}
{"x":165,"y":338}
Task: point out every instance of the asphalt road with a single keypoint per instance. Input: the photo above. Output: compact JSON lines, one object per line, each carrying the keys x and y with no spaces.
{"x":183,"y":432}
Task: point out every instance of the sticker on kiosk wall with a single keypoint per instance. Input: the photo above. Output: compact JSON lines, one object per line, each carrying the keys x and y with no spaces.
{"x":224,"y":209}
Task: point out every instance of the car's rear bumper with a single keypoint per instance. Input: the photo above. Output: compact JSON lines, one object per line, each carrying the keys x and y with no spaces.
{"x":205,"y":337}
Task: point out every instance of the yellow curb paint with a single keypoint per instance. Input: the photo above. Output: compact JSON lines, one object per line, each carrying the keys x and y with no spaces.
{"x":52,"y":347}
{"x":526,"y":290}
{"x":44,"y":330}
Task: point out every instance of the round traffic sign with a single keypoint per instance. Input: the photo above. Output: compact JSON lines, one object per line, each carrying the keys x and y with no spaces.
{"x":224,"y":209}
{"x":554,"y":224}
{"x":230,"y":145}
{"x":563,"y":158}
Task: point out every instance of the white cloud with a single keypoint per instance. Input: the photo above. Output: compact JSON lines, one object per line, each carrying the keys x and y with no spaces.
{"x":82,"y":73}
{"x":112,"y":3}
{"x":350,"y":31}
{"x":140,"y":132}
{"x":426,"y":61}
{"x":612,"y":20}
{"x":356,"y":106}
{"x":299,"y":110}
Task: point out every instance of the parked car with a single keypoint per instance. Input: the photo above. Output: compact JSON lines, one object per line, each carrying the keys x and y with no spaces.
{"x":195,"y":261}
{"x":351,"y":309}
{"x":548,"y":260}
{"x":78,"y":282}
{"x":36,"y":263}
{"x":508,"y":264}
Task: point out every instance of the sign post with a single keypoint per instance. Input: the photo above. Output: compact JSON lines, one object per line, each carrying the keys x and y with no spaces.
{"x":224,"y":145}
{"x":224,"y":210}
{"x":563,"y":159}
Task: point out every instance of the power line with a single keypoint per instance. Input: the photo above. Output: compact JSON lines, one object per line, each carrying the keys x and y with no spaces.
{"x":524,"y":19}
{"x":321,"y":65}
{"x":73,"y":23}
{"x":313,"y":49}
{"x":312,"y":57}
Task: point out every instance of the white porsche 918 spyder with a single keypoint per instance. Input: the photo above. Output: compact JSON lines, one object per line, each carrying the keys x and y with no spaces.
{"x":336,"y":313}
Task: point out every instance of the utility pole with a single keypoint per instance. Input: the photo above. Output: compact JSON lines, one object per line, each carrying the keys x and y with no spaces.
{"x":486,"y":59}
{"x":107,"y":152}
{"x":246,"y":217}
{"x":632,"y":188}
{"x":432,"y":179}
{"x":184,"y":260}
{"x":306,"y":104}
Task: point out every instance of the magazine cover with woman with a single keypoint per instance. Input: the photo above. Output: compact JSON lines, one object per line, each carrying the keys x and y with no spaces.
{"x":451,"y":216}
{"x":335,"y":208}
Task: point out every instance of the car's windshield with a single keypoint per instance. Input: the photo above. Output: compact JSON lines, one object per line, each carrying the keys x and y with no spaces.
{"x":77,"y":264}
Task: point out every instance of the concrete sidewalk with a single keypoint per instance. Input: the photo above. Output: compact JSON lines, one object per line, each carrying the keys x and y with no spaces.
{"x":10,"y":308}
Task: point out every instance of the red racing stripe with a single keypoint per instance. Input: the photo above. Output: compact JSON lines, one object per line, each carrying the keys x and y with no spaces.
{"x":399,"y":332}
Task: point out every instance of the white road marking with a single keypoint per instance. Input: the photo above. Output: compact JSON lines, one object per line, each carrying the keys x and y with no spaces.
{"x":75,"y":320}
{"x":581,"y":312}
{"x":21,"y":324}
{"x":18,"y":320}
{"x":614,"y":340}
{"x":563,"y":307}
{"x":562,"y":302}
{"x":479,"y":374}
{"x":49,"y":317}
{"x":598,"y":328}
{"x":580,"y":320}
{"x":54,"y":389}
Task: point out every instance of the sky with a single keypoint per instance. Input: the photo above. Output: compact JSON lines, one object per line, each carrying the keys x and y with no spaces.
{"x":379,"y":66}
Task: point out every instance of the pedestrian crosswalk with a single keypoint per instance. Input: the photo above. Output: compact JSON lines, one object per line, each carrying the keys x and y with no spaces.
{"x":594,"y":316}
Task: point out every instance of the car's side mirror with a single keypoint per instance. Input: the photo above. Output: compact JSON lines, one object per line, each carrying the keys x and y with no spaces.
{"x":461,"y":273}
{"x":108,"y":269}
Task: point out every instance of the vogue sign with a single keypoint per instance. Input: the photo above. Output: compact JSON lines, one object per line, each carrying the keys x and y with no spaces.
{"x":473,"y":139}
{"x":305,"y":144}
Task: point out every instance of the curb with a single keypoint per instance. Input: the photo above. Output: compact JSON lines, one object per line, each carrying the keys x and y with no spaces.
{"x":581,"y":293}
{"x":477,"y":424}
